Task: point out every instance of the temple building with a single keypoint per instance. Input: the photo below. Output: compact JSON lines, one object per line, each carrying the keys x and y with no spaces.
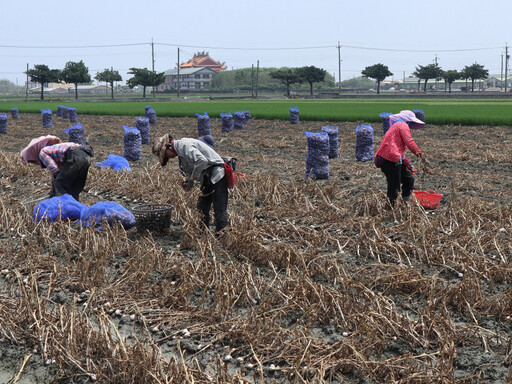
{"x":203,"y":60}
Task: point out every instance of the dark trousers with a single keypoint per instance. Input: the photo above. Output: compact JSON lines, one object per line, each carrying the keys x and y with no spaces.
{"x":397,"y":175}
{"x":216,"y":194}
{"x":73,"y":174}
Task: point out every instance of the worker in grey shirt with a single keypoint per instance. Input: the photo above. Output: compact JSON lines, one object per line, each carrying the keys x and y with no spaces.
{"x":198,"y":161}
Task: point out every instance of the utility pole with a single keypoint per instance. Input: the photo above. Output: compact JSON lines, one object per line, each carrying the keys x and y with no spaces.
{"x":506,"y":66}
{"x":339,"y":68}
{"x":153,"y":62}
{"x":252,"y":80}
{"x":178,"y":87}
{"x":435,"y":62}
{"x":26,"y":96}
{"x":257,"y":76}
{"x":501,"y":78}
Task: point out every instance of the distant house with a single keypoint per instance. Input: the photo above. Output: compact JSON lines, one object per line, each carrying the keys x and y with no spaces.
{"x":63,"y":88}
{"x":189,"y":79}
{"x":203,"y":60}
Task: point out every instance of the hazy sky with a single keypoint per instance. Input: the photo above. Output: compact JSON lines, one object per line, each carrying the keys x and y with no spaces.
{"x":401,"y":34}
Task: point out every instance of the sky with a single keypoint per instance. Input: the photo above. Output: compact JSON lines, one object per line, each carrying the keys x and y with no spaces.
{"x":121,"y":34}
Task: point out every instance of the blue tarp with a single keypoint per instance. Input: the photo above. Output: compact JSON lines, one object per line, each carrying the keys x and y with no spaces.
{"x":58,"y":208}
{"x":117,"y":163}
{"x":109,"y":212}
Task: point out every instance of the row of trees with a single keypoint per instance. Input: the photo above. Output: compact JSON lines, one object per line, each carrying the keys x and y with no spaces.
{"x":473,"y":72}
{"x":77,"y":73}
{"x":289,"y":76}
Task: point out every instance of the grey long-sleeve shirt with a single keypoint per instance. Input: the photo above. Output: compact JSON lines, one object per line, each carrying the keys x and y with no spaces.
{"x":195,"y":157}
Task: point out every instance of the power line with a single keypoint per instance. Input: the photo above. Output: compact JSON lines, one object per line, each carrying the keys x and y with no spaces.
{"x":244,"y":48}
{"x":420,"y":50}
{"x":71,"y":46}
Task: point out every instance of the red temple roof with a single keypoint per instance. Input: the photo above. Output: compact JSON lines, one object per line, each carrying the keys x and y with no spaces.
{"x":202,"y":60}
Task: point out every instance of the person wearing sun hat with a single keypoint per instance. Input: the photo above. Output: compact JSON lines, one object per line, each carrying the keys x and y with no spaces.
{"x":390,"y":156}
{"x":198,"y":161}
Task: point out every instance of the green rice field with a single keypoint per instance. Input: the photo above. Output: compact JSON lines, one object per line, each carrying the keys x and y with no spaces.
{"x":461,"y":111}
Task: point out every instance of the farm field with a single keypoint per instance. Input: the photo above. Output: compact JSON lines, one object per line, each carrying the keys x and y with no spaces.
{"x":440,"y":111}
{"x":315,"y":281}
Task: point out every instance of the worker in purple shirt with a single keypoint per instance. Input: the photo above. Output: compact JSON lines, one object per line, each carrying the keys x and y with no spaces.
{"x":68,"y":162}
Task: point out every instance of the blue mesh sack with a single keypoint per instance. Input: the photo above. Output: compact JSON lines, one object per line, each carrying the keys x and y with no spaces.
{"x":132,"y":144}
{"x":227,"y":122}
{"x":203,"y":124}
{"x":117,"y":163}
{"x":333,"y":141}
{"x":248,"y":116}
{"x":75,"y":134}
{"x":65,"y":112}
{"x":107,"y":212}
{"x":385,"y":121}
{"x":58,"y":208}
{"x":317,"y":161}
{"x":364,"y":142}
{"x":73,"y":117}
{"x":151,"y":115}
{"x":207,"y":139}
{"x":147,"y":108}
{"x":3,"y":122}
{"x":142,"y":124}
{"x":60,"y":109}
{"x":294,"y":115}
{"x":47,"y":118}
{"x":419,"y":114}
{"x":15,"y":114}
{"x":239,"y":120}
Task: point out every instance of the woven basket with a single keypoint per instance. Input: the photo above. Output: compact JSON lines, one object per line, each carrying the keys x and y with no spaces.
{"x":152,"y":217}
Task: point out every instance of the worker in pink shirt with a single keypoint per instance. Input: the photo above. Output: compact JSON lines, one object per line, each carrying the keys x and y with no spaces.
{"x":391,"y":159}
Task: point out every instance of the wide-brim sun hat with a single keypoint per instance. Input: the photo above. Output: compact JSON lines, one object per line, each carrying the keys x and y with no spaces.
{"x":410,"y":118}
{"x":159,"y":146}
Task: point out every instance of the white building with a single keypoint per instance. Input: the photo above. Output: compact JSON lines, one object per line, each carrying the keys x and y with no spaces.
{"x":189,"y":79}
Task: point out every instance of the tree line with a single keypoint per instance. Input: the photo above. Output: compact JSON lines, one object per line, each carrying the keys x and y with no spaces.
{"x":379,"y":72}
{"x":77,"y":73}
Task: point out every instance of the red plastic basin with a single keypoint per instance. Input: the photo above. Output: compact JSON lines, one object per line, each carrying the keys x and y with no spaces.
{"x":428,"y":199}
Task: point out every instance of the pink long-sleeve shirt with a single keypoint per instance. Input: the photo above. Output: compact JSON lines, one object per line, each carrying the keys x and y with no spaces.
{"x":395,"y":141}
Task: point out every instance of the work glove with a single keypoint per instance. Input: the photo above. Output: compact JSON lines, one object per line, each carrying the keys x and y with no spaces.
{"x":187,"y":185}
{"x":410,"y":168}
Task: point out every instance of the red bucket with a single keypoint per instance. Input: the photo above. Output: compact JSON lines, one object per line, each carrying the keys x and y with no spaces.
{"x":428,"y":199}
